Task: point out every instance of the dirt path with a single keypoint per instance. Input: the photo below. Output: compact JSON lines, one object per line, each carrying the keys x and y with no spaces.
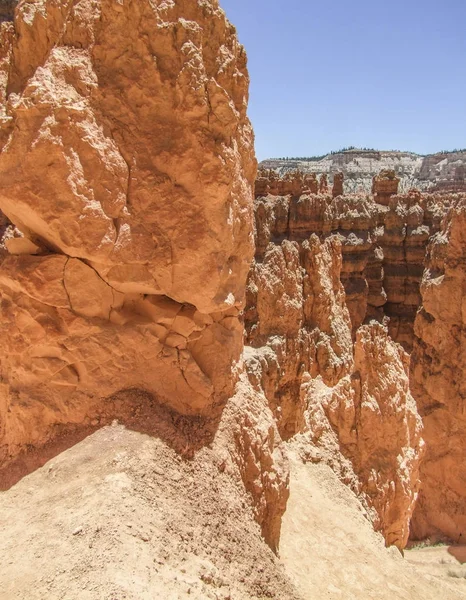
{"x":122,"y":516}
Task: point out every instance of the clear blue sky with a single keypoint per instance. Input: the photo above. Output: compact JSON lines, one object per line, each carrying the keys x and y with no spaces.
{"x":333,"y":73}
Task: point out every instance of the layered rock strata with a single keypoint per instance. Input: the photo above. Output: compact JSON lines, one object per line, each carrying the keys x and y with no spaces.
{"x":437,"y":380}
{"x":335,"y":282}
{"x":127,"y":166}
{"x":383,"y":243}
{"x":348,"y":402}
{"x":444,"y":171}
{"x":384,"y":186}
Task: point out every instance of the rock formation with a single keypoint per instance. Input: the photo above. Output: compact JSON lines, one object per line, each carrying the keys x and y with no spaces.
{"x":437,"y":379}
{"x":350,"y":401}
{"x":444,"y":171}
{"x":336,"y":281}
{"x":337,"y":189}
{"x":323,"y":184}
{"x":293,"y":183}
{"x":127,"y":168}
{"x":385,"y":185}
{"x":383,"y":245}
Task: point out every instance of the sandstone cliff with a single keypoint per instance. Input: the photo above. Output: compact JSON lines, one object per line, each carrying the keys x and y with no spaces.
{"x":437,"y":378}
{"x":127,"y":168}
{"x":336,"y":282}
{"x":384,"y":239}
{"x":349,"y":403}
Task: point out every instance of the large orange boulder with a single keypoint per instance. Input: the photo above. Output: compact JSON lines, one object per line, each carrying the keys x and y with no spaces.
{"x":127,"y":167}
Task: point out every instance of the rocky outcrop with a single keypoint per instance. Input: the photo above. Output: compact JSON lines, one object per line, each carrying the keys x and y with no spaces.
{"x":383,"y":245}
{"x":368,"y":429}
{"x":293,"y":183}
{"x":385,"y":185}
{"x":349,"y":402}
{"x":337,"y":280}
{"x":293,"y":322}
{"x":337,"y":189}
{"x":437,"y":379}
{"x":335,"y":283}
{"x":127,"y":169}
{"x":255,"y":449}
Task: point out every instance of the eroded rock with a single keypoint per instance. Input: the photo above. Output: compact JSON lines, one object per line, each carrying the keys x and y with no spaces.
{"x":437,"y":379}
{"x":127,"y":167}
{"x":383,"y":244}
{"x":347,"y":402}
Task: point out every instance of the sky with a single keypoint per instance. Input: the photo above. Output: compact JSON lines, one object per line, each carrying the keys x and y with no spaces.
{"x":365,"y":73}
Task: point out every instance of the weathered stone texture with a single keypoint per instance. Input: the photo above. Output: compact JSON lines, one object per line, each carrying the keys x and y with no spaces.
{"x":127,"y":169}
{"x":437,"y":379}
{"x":348,"y":401}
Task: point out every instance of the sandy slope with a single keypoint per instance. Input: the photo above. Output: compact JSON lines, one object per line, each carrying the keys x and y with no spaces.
{"x":331,"y":552}
{"x":121,"y":515}
{"x":441,"y":562}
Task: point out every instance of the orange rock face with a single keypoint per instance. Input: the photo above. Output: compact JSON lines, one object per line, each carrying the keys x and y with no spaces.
{"x":368,"y":428}
{"x":347,"y":402}
{"x":260,"y":456}
{"x":337,"y":189}
{"x":385,"y":185}
{"x":383,"y":247}
{"x":438,"y":383}
{"x":335,"y":283}
{"x":127,"y":166}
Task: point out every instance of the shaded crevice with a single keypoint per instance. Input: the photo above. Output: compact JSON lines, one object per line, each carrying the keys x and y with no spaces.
{"x":181,"y":369}
{"x":117,"y":225}
{"x":127,"y":162}
{"x":64,"y":284}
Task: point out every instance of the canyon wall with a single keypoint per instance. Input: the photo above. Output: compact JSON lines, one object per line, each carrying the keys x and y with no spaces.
{"x":444,"y":171}
{"x":437,"y":381}
{"x":347,"y":401}
{"x":383,"y":236}
{"x":127,"y":165}
{"x":335,"y":284}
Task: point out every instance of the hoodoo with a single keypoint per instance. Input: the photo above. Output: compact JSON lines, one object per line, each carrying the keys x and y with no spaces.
{"x":351,"y":333}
